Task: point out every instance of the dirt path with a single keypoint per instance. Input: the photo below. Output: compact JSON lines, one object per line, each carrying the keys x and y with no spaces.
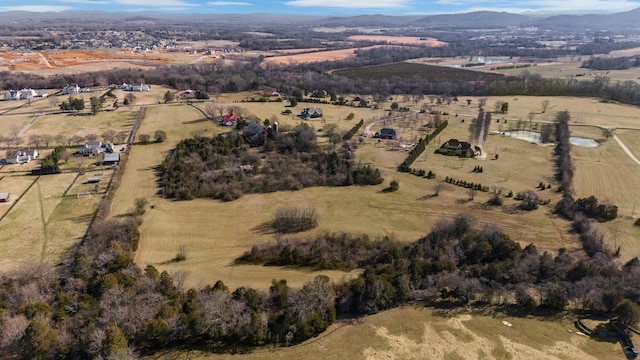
{"x":26,"y":127}
{"x":626,"y":149}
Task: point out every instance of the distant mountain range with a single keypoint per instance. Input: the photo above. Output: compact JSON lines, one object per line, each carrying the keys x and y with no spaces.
{"x":626,"y":22}
{"x":623,"y":21}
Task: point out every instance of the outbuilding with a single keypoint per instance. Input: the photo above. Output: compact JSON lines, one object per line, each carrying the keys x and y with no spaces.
{"x":4,"y":197}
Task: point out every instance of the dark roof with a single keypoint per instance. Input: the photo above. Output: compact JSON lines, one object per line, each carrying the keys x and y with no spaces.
{"x":388,"y":131}
{"x":253,"y":128}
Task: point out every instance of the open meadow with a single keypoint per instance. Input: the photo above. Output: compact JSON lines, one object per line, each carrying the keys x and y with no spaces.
{"x":46,"y":217}
{"x":423,"y":333}
{"x":214,"y":233}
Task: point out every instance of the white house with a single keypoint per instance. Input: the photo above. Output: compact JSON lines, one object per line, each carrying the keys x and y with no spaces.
{"x":71,"y":89}
{"x":42,"y":93}
{"x":28,"y":93}
{"x":134,"y":87}
{"x":22,"y":156}
{"x":96,"y":148}
{"x":12,"y":95}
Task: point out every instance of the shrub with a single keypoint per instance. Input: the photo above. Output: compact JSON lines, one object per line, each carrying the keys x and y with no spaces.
{"x":294,"y":219}
{"x":495,"y":200}
{"x":529,"y":200}
{"x":637,"y":223}
{"x":393,"y":186}
{"x":160,"y":136}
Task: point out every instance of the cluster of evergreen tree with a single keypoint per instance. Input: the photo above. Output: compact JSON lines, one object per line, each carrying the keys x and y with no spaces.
{"x":466,"y":184}
{"x":420,"y":147}
{"x":349,"y":134}
{"x":72,"y":104}
{"x":49,"y":164}
{"x":225,"y":167}
{"x":590,"y":207}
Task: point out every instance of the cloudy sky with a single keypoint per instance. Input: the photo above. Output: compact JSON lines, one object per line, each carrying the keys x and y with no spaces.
{"x":345,"y":7}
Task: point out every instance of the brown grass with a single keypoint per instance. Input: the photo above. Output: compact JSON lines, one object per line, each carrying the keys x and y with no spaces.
{"x":417,"y":333}
{"x":43,"y":224}
{"x":400,"y":40}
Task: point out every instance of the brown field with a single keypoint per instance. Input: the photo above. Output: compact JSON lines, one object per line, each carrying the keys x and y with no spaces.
{"x":420,"y":333}
{"x":400,"y":40}
{"x":43,"y":224}
{"x":331,"y":55}
{"x":73,"y":61}
{"x":226,"y":230}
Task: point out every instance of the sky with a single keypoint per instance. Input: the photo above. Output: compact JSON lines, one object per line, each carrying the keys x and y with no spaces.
{"x":326,"y":7}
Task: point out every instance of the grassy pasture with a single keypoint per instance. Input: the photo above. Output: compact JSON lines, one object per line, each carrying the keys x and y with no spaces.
{"x":9,"y":124}
{"x":214,"y":233}
{"x":422,"y":333}
{"x":567,"y":68}
{"x":43,"y":224}
{"x":82,"y":124}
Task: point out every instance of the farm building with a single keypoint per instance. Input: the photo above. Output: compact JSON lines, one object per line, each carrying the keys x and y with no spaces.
{"x":229,"y":120}
{"x":22,"y":156}
{"x":453,"y":147}
{"x":133,"y":87}
{"x":111,"y":158}
{"x":71,"y":89}
{"x":4,"y":197}
{"x":93,"y":180}
{"x":388,"y":133}
{"x":311,"y":113}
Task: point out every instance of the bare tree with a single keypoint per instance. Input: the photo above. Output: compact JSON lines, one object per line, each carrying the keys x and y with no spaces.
{"x":18,"y":141}
{"x":47,"y":139}
{"x":437,"y":188}
{"x":121,"y":136}
{"x":91,"y":137}
{"x":61,"y":139}
{"x":77,"y":139}
{"x":545,"y":105}
{"x":211,"y":109}
{"x":109,"y":135}
{"x":35,"y":140}
{"x":482,"y":102}
{"x":65,"y":155}
{"x":532,"y":114}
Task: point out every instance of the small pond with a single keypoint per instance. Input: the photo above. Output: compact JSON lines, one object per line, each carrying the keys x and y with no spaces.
{"x":534,"y":137}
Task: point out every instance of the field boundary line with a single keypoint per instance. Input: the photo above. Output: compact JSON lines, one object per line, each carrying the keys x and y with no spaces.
{"x":72,"y":183}
{"x":44,"y":223}
{"x":20,"y":197}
